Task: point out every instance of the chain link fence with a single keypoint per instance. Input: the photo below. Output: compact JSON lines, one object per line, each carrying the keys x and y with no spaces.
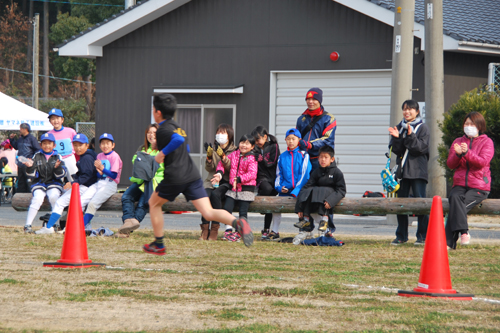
{"x":494,"y":77}
{"x":86,"y":128}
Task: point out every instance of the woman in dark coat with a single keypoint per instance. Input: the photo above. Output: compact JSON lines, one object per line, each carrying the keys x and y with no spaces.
{"x":410,"y":143}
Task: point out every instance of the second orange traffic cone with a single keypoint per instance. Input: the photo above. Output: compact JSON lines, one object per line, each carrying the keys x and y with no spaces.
{"x":74,"y":251}
{"x":435,"y":280}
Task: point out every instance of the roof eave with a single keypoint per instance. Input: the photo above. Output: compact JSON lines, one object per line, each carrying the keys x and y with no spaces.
{"x":90,"y":44}
{"x":474,"y":47}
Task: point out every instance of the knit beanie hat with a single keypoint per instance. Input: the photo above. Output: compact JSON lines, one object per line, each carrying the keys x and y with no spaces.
{"x":315,"y":93}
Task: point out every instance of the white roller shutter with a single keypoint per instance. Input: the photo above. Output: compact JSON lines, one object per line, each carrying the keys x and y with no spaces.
{"x":360,"y":101}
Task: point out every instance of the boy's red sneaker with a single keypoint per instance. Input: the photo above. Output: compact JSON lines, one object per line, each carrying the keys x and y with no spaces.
{"x":153,"y":249}
{"x":244,"y":230}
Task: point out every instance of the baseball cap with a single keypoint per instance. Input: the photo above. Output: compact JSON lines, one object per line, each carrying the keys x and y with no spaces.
{"x":293,"y":131}
{"x":56,"y":112}
{"x":82,"y":138}
{"x":48,"y":136}
{"x":106,"y":136}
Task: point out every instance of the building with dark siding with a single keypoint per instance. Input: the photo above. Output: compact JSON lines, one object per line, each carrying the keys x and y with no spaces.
{"x":251,"y":62}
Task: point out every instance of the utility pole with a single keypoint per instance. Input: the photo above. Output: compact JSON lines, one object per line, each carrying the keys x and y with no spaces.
{"x":402,"y":63}
{"x":45,"y":85}
{"x":29,"y":56}
{"x":402,"y":57}
{"x":36,"y":31}
{"x":434,"y":92}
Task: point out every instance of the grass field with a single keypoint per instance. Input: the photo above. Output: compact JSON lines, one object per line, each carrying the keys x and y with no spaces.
{"x":225,"y":287}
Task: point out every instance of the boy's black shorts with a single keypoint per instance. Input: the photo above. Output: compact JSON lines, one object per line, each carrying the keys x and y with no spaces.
{"x":192,"y":191}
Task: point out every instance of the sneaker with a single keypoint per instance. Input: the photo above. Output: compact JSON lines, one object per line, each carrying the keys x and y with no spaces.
{"x":323,"y":225}
{"x":227,"y":235}
{"x":61,"y":231}
{"x":244,"y":230}
{"x":27,"y":229}
{"x":153,"y":249}
{"x":234,"y":237}
{"x":465,"y":239}
{"x":397,"y":242}
{"x":45,"y":231}
{"x":329,"y":233}
{"x":264,"y":233}
{"x":302,"y":224}
{"x":419,"y":242}
{"x":273,"y":236}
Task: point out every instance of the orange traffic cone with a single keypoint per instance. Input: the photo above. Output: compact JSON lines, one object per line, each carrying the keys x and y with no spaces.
{"x":74,"y":251}
{"x":435,"y":280}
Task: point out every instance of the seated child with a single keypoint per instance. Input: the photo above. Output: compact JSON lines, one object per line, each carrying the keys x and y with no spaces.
{"x":109,"y":167}
{"x":86,"y":177}
{"x":324,"y":189}
{"x":292,"y":174}
{"x":269,"y":152}
{"x":242,"y":177}
{"x":5,"y":165}
{"x":46,"y":170}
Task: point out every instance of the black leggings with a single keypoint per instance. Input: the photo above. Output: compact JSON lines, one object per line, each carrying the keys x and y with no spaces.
{"x":229,"y":206}
{"x":267,"y":189}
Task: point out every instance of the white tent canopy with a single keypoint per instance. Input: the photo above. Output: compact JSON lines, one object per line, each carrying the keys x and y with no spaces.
{"x":13,"y":113}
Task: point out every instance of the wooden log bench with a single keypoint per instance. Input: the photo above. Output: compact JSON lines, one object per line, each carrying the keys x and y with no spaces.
{"x":365,"y":206}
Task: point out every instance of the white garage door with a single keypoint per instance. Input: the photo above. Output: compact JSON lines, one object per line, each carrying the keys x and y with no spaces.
{"x":359,"y":100}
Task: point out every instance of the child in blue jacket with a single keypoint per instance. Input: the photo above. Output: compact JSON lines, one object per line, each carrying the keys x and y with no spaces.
{"x":292,"y":173}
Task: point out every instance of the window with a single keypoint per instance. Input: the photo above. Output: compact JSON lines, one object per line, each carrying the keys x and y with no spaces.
{"x":200,"y":122}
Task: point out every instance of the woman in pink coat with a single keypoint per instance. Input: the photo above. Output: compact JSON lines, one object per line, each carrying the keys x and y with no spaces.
{"x":242,"y":178}
{"x":470,"y":157}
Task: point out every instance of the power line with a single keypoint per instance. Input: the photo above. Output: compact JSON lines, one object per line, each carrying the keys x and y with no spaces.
{"x":50,"y":77}
{"x":79,"y":3}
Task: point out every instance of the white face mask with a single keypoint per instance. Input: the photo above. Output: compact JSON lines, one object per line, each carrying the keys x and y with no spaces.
{"x":470,"y":131}
{"x":221,"y":138}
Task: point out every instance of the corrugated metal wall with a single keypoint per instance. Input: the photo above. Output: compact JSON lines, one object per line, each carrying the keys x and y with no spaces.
{"x":230,"y":42}
{"x":224,"y":42}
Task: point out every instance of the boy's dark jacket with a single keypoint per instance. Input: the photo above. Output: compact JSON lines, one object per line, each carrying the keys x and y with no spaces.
{"x":324,"y":184}
{"x":87,"y":173}
{"x":270,"y":153}
{"x":43,"y":171}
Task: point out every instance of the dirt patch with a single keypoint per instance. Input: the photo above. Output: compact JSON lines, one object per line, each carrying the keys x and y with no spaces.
{"x":199,"y":286}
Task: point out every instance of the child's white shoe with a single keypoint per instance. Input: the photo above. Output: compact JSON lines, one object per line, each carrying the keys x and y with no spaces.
{"x":45,"y":231}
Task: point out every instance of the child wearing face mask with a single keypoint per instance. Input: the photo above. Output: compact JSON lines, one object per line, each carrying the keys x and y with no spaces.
{"x":470,"y":157}
{"x":410,"y":143}
{"x":242,"y":179}
{"x":223,"y":146}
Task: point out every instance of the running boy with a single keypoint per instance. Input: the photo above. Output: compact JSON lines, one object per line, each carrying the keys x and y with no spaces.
{"x":46,"y":171}
{"x":292,"y":174}
{"x":325,"y":188}
{"x":109,"y":167}
{"x":181,"y":176}
{"x":64,"y":137}
{"x":86,"y":177}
